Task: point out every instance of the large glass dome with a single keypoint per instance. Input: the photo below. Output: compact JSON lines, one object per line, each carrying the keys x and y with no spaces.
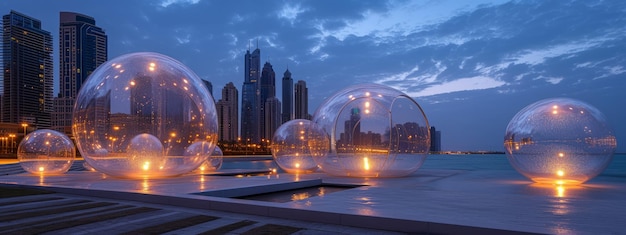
{"x":559,"y":141}
{"x":374,"y":131}
{"x":138,"y":114}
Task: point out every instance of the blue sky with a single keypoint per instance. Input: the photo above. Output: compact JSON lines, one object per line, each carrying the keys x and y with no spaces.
{"x":472,"y":65}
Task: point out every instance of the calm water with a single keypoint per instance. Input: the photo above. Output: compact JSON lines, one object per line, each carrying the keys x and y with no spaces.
{"x":617,"y":168}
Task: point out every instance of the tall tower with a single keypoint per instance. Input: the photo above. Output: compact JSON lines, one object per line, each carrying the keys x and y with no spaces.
{"x":82,"y":47}
{"x":302,"y":101}
{"x":26,"y":86}
{"x":272,"y":120}
{"x":250,"y":100}
{"x":287,"y":97}
{"x":268,"y":91}
{"x":228,"y":113}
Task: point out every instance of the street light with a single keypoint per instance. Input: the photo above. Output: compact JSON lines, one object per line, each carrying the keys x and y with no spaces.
{"x":12,"y":141}
{"x":24,"y":125}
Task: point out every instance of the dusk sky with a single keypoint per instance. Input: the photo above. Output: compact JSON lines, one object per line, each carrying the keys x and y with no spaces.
{"x":471,"y":65}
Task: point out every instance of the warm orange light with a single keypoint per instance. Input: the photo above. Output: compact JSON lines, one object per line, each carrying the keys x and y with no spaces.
{"x":560,"y":173}
{"x":560,"y":191}
{"x":298,"y":165}
{"x":132,"y":83}
{"x":366,"y":163}
{"x":146,"y":166}
{"x":41,"y":168}
{"x":367,"y":104}
{"x":561,"y":154}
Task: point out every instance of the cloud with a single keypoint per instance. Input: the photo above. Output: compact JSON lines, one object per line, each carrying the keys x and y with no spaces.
{"x":233,"y":38}
{"x":386,"y":27}
{"x":167,"y":3}
{"x":463,"y":84}
{"x":551,"y":80}
{"x":290,"y":12}
{"x":184,"y":39}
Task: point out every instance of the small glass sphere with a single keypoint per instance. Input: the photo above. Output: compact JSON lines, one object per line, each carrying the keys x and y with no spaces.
{"x":137,"y":114}
{"x":296,"y":143}
{"x":213,"y":163}
{"x":46,"y":152}
{"x":374,"y":131}
{"x":559,"y":141}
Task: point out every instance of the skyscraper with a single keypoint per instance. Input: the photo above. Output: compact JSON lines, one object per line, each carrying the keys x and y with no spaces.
{"x":82,"y":48}
{"x":272,"y":117}
{"x":250,"y":100}
{"x":228,"y":113}
{"x":435,"y":140}
{"x":301,"y":101}
{"x":26,"y":86}
{"x":287,"y":97}
{"x":268,"y":91}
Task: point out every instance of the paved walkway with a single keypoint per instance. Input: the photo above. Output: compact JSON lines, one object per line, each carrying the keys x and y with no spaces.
{"x":57,"y":213}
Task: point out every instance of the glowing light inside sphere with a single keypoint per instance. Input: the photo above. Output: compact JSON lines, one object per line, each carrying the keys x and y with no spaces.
{"x":559,"y":141}
{"x":296,"y":143}
{"x":137,"y":114}
{"x":374,"y":131}
{"x":46,"y":152}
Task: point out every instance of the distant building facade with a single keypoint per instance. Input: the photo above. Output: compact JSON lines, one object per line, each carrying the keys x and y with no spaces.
{"x":287,"y":97}
{"x":209,"y":86}
{"x":435,"y":140}
{"x":301,"y":98}
{"x":272,"y":117}
{"x":268,"y":93}
{"x":82,"y":48}
{"x":26,"y":89}
{"x":228,"y":114}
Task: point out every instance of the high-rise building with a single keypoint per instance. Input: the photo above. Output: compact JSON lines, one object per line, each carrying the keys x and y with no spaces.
{"x":287,"y":97}
{"x":272,"y":117}
{"x":82,"y":48}
{"x":228,"y":113}
{"x":27,"y":81}
{"x":250,"y":100}
{"x":268,"y":91}
{"x":435,"y":140}
{"x":301,"y":101}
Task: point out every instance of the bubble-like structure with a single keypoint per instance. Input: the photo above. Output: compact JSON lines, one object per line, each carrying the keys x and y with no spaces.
{"x":138,"y":115}
{"x":295,"y":145}
{"x":374,"y":131}
{"x":559,"y":141}
{"x":213,"y":163}
{"x":46,"y":152}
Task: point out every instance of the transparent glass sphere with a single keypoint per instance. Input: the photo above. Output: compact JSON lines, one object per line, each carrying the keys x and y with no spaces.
{"x":213,"y":163}
{"x":46,"y":152}
{"x":138,"y":114}
{"x":374,"y":131}
{"x":296,"y":143}
{"x":559,"y":141}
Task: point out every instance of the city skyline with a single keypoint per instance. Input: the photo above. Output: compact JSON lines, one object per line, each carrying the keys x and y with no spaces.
{"x":471,"y":65}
